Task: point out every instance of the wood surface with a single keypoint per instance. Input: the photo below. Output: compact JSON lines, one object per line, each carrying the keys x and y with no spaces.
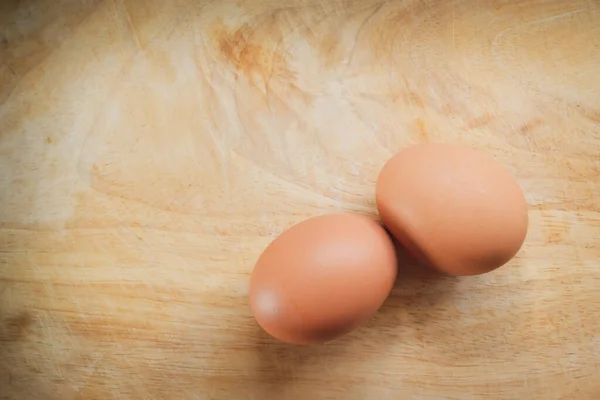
{"x":150,"y":150}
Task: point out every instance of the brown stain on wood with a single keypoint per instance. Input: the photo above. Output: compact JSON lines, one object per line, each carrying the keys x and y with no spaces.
{"x":479,"y":122}
{"x":16,"y":327}
{"x":413,"y":98}
{"x":327,"y":46}
{"x":251,"y":52}
{"x":555,"y":236}
{"x":256,"y":53}
{"x":330,"y":51}
{"x":530,"y":126}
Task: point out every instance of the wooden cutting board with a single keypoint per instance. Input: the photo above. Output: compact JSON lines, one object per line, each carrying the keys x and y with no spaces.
{"x":149,"y":151}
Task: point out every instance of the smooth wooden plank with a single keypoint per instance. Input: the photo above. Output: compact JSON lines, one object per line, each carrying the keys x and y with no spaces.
{"x":150,"y":150}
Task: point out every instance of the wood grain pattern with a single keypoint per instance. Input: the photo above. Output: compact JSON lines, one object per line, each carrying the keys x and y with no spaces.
{"x":150,"y":150}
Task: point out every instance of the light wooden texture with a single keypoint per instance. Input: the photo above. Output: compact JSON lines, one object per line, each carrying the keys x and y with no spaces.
{"x":149,"y":151}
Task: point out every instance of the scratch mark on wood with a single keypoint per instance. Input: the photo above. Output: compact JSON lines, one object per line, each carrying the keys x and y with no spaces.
{"x":359,"y":31}
{"x":134,"y":33}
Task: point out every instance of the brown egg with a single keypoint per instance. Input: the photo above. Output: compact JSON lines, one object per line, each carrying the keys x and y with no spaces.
{"x":456,"y":209}
{"x":322,"y":278}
